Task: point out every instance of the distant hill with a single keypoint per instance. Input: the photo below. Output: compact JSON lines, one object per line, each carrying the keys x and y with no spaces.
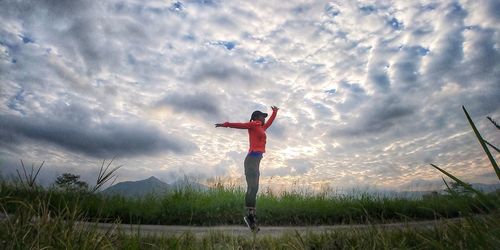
{"x":140,"y":188}
{"x":151,"y":185}
{"x":487,"y":188}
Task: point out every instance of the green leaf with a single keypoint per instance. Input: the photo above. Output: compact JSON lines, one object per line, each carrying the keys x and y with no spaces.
{"x":481,"y":141}
{"x":463,"y":184}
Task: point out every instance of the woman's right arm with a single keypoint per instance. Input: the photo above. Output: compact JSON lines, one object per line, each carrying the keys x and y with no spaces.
{"x":239,"y":125}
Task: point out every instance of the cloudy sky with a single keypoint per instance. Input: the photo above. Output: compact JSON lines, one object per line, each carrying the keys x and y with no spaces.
{"x":370,"y":92}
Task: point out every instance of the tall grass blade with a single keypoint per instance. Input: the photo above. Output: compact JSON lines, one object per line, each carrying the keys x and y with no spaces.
{"x":489,"y":144}
{"x":33,"y":178}
{"x":302,"y":244}
{"x":29,"y":181}
{"x":481,"y":141}
{"x":20,"y":178}
{"x":25,"y":175}
{"x":448,"y":186}
{"x":105,"y":175}
{"x":460,"y":182}
{"x":494,"y":122}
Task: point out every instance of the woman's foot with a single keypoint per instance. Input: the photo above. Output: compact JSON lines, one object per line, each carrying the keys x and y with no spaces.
{"x":251,"y":222}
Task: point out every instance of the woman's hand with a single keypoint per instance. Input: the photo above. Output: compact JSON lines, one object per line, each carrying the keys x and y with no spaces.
{"x":219,"y":125}
{"x":274,"y":108}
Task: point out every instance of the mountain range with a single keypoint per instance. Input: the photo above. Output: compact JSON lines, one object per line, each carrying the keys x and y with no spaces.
{"x":150,"y":186}
{"x":154,"y":186}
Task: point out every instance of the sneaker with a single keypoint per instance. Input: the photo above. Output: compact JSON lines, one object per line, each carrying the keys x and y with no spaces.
{"x":251,"y":222}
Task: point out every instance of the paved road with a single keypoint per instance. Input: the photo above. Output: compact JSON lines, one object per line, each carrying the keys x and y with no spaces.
{"x":242,"y":230}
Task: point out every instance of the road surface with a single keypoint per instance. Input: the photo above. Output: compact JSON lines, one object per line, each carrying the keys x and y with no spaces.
{"x":243,"y":230}
{"x":201,"y":231}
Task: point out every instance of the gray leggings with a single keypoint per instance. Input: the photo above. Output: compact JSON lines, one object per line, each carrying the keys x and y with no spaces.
{"x":252,"y":175}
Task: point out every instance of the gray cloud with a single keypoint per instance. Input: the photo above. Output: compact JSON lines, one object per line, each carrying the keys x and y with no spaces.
{"x":378,"y":66}
{"x":448,"y":51}
{"x":493,"y":9}
{"x":354,"y":95}
{"x":407,"y":68}
{"x":483,"y":59}
{"x":277,"y":130}
{"x":73,"y":26}
{"x":222,"y":73}
{"x":75,"y":131}
{"x":201,"y":103}
{"x":379,"y":115}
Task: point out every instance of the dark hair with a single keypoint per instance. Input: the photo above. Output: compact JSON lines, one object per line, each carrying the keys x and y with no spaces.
{"x":256,"y":114}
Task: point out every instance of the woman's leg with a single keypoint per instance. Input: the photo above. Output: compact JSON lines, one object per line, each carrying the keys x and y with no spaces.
{"x":252,"y":175}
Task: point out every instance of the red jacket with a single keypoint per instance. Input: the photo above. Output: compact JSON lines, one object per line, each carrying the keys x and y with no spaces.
{"x":256,"y":132}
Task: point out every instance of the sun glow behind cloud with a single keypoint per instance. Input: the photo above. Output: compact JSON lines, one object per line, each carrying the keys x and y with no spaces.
{"x":370,"y":91}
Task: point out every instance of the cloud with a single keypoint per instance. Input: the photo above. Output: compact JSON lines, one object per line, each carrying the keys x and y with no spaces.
{"x":226,"y":44}
{"x":201,"y":103}
{"x":447,"y":50}
{"x":277,"y":130}
{"x":75,"y":130}
{"x":379,"y":115}
{"x":294,"y":167}
{"x":221,"y":72}
{"x":482,"y":58}
{"x":353,"y":95}
{"x":377,"y":68}
{"x":365,"y":88}
{"x":299,"y":166}
{"x":280,"y":171}
{"x":406,"y":69}
{"x":70,"y":25}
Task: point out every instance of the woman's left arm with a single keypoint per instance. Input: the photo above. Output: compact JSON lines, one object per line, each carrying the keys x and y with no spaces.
{"x":271,"y":119}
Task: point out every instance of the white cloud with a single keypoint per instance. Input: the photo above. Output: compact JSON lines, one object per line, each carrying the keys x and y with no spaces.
{"x":369,"y":91}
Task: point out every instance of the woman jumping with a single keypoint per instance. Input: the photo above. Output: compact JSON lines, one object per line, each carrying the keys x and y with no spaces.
{"x":257,"y":135}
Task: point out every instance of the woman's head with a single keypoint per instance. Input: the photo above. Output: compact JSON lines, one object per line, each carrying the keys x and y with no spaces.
{"x":258,"y":116}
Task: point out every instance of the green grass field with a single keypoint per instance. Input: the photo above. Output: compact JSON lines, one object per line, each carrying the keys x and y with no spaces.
{"x":225,"y":206}
{"x":44,"y":218}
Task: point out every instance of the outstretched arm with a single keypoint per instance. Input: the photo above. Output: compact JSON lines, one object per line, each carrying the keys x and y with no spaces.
{"x":240,"y":125}
{"x":271,"y":119}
